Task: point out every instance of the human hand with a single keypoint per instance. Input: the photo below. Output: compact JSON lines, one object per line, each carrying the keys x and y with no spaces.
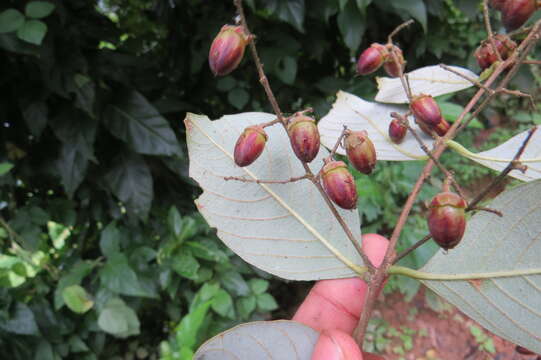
{"x":333,"y":308}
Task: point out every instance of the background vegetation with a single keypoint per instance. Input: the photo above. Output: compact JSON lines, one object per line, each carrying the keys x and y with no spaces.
{"x":101,"y":251}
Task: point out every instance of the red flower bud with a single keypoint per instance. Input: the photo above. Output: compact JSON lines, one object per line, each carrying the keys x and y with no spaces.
{"x":250,"y":145}
{"x":391,"y":67}
{"x":339,"y":184}
{"x":227,"y":50}
{"x":397,"y":131}
{"x":371,"y":59}
{"x":426,"y":110}
{"x":361,"y":151}
{"x":442,"y":128}
{"x":447,"y":219}
{"x":496,"y":4}
{"x":485,"y":54}
{"x":523,"y":351}
{"x":304,"y":137}
{"x":516,"y":12}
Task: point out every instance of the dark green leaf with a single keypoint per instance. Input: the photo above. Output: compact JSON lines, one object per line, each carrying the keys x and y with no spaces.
{"x":415,"y":8}
{"x":131,"y":182}
{"x":238,"y":98}
{"x":208,"y":250}
{"x":33,"y":31}
{"x":234,"y":283}
{"x":22,"y":322}
{"x":291,"y":11}
{"x":134,"y":120}
{"x":77,"y":345}
{"x":10,"y":20}
{"x":174,"y":221}
{"x":265,"y":302}
{"x":85,"y":93}
{"x":118,"y":319}
{"x":110,"y":240}
{"x":39,"y":9}
{"x":44,"y":351}
{"x":352,"y":25}
{"x":222,"y":303}
{"x":71,"y":165}
{"x":35,"y":115}
{"x":258,"y":286}
{"x":117,"y":276}
{"x":77,"y":299}
{"x":246,"y":306}
{"x":286,"y":69}
{"x":185,"y":264}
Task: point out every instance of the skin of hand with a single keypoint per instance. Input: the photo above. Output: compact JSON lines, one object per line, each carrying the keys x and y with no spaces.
{"x":333,"y":308}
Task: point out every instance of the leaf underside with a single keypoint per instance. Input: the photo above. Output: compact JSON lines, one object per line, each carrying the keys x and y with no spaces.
{"x":280,"y":228}
{"x":273,"y":340}
{"x":358,"y":114}
{"x":508,"y":307}
{"x":431,"y":80}
{"x":506,"y":151}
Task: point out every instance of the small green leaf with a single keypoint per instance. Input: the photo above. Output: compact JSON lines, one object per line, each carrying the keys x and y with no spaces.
{"x":233,"y":282}
{"x":77,"y":299}
{"x":10,"y":20}
{"x":110,"y":240}
{"x":238,"y":98}
{"x":118,"y":319}
{"x":265,"y":302}
{"x":5,"y":167}
{"x":77,"y":273}
{"x":186,"y":331}
{"x":22,"y":322}
{"x":117,"y":276}
{"x":258,"y":286}
{"x":58,"y":234}
{"x":286,"y":69}
{"x":33,"y":31}
{"x":246,"y":306}
{"x":39,"y":9}
{"x":222,"y":303}
{"x":185,"y":264}
{"x":174,"y":220}
{"x":291,"y":11}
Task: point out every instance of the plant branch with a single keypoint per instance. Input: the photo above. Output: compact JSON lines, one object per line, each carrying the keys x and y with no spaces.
{"x":276,"y":108}
{"x":257,"y":181}
{"x":488,"y":28}
{"x":440,"y":146}
{"x":398,"y":29}
{"x":409,"y":250}
{"x":513,"y":165}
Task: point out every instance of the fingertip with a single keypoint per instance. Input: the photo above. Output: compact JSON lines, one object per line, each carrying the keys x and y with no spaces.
{"x":336,"y":345}
{"x":375,"y":246}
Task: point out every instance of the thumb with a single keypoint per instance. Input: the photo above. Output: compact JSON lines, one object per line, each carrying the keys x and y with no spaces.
{"x":336,"y":345}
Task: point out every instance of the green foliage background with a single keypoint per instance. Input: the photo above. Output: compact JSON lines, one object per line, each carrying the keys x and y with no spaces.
{"x":102,"y":253}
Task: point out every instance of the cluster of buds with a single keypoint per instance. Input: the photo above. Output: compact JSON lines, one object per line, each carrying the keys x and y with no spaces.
{"x":485,"y":54}
{"x":378,"y":55}
{"x":447,"y":219}
{"x":227,"y":50}
{"x":428,"y":115}
{"x":515,"y":12}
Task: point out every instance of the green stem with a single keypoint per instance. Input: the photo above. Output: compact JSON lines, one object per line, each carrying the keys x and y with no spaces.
{"x":421,"y":275}
{"x":465,"y":152}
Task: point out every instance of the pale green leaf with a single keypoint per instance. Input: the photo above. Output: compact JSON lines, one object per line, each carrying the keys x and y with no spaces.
{"x":5,"y":167}
{"x":507,"y":306}
{"x":432,"y":80}
{"x":285,"y":229}
{"x":77,"y":299}
{"x":500,"y":156}
{"x":358,"y":114}
{"x":284,"y":340}
{"x":118,"y":319}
